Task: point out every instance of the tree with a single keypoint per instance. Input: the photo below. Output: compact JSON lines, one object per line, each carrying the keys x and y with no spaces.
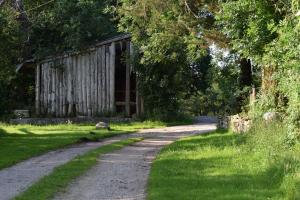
{"x":267,"y":31}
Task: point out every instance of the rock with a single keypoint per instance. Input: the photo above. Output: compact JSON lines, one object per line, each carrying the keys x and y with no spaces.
{"x":21,"y":114}
{"x":271,"y":116}
{"x":102,"y":125}
{"x":240,"y":124}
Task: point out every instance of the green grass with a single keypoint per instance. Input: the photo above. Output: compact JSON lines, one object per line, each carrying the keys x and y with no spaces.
{"x":20,"y":142}
{"x":59,"y":179}
{"x":214,"y":166}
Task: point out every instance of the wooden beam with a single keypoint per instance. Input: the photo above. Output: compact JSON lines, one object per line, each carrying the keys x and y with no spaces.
{"x":112,"y":76}
{"x":107,"y":78}
{"x":37,"y":89}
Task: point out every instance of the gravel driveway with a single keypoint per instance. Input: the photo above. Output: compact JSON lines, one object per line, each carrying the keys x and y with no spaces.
{"x":118,"y":175}
{"x":123,"y":174}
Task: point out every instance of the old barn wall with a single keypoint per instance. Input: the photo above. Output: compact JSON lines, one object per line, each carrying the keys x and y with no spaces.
{"x":77,"y":84}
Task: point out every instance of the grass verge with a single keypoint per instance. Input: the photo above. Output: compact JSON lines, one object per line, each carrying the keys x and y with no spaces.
{"x":216,"y":166}
{"x":20,"y":142}
{"x":59,"y":179}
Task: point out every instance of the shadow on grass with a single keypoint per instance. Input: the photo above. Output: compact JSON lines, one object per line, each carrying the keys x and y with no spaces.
{"x":2,"y":132}
{"x":210,"y":177}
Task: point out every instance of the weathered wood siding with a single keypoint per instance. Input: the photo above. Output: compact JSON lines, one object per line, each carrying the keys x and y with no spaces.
{"x":81,"y":84}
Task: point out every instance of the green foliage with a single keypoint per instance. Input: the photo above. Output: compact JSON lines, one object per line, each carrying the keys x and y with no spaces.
{"x":163,"y":86}
{"x":172,"y":57}
{"x":226,"y":92}
{"x":69,"y":25}
{"x":11,"y":39}
{"x":268,"y":32}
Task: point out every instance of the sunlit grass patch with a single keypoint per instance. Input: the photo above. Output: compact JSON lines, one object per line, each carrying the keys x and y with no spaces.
{"x":212,"y":166}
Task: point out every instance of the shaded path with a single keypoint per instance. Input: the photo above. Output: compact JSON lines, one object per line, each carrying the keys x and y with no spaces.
{"x":18,"y":178}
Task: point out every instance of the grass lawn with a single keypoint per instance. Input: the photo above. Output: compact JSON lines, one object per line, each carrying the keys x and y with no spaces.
{"x":213,"y":166}
{"x":21,"y":142}
{"x":59,"y":179}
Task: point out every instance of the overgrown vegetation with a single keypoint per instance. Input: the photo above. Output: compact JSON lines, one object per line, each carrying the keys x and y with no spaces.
{"x":268,"y":33}
{"x":58,"y":180}
{"x":223,"y":165}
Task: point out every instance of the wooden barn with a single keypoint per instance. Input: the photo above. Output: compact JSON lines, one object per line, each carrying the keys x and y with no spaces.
{"x":95,"y":82}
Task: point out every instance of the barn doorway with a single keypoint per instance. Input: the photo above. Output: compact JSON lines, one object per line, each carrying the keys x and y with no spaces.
{"x":125,"y":82}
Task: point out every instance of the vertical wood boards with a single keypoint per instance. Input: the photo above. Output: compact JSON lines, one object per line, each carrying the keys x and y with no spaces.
{"x":83,"y":100}
{"x":69,"y":69}
{"x":107,"y":68}
{"x":75,"y":84}
{"x":48,"y":94}
{"x":37,"y":89}
{"x":56,"y":93}
{"x":53,"y":89}
{"x":88,"y":83}
{"x":83,"y":83}
{"x":80,"y":82}
{"x":43,"y":89}
{"x":94,"y":87}
{"x":112,"y":76}
{"x":103,"y":83}
{"x":64,"y":87}
{"x":99,"y":95}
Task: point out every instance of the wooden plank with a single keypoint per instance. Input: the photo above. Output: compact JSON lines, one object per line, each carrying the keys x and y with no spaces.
{"x":53,"y":90}
{"x":100,"y":91}
{"x":87,"y":78}
{"x":107,"y":78}
{"x":49,"y":89}
{"x":75,"y":84}
{"x":64,"y":89}
{"x":79,"y":84}
{"x":88,"y":84}
{"x":56,"y":93}
{"x":94,"y":87}
{"x":97,"y":81}
{"x":83,"y":100}
{"x":103,"y":78}
{"x":112,"y":76}
{"x":69,"y":70}
{"x":43,"y":89}
{"x":37,"y":89}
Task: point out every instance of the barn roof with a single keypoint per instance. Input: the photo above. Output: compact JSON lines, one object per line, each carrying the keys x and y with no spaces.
{"x":68,"y":53}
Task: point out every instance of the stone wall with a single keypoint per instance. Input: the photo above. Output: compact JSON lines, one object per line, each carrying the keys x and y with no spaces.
{"x":237,"y":123}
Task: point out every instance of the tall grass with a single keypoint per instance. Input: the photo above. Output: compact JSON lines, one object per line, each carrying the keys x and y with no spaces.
{"x":270,"y":141}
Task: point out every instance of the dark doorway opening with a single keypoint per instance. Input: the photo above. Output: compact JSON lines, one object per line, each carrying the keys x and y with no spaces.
{"x":120,"y":81}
